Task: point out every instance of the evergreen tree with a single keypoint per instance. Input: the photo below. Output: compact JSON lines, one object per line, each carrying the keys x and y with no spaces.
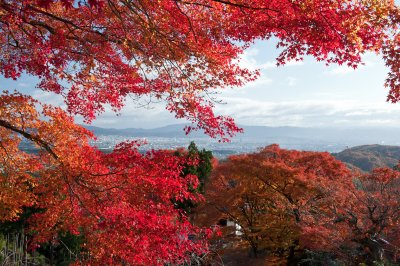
{"x":199,"y":163}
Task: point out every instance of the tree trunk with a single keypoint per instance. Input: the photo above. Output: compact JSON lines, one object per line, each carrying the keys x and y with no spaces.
{"x":291,"y":259}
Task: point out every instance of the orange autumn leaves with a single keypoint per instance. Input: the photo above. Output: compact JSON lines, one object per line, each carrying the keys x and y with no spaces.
{"x":19,"y":120}
{"x":288,"y":201}
{"x":270,"y":193}
{"x":120,"y":202}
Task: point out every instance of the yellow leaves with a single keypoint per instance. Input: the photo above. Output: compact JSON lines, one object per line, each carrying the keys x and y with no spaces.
{"x":2,"y":12}
{"x":125,"y":43}
{"x":378,"y":3}
{"x":274,"y":186}
{"x":138,"y":63}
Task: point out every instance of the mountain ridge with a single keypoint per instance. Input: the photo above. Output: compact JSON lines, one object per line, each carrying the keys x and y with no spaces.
{"x":368,"y":157}
{"x":355,"y":136}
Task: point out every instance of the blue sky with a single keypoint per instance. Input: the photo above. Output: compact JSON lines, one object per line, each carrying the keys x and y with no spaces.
{"x":306,"y":93}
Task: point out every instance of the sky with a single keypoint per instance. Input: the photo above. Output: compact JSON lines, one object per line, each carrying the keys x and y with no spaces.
{"x":302,"y":94}
{"x":310,"y":94}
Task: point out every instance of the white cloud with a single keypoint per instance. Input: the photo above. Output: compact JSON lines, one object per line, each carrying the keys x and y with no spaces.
{"x":250,"y":60}
{"x":24,"y":85}
{"x":311,"y":113}
{"x":344,"y":69}
{"x":137,"y":115}
{"x":48,"y":98}
{"x":273,"y":64}
{"x":262,"y":81}
{"x":291,"y":81}
{"x":267,"y":65}
{"x":294,"y":63}
{"x":341,"y":70}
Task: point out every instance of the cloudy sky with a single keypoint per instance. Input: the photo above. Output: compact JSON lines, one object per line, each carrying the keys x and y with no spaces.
{"x":310,"y":94}
{"x":303,"y":93}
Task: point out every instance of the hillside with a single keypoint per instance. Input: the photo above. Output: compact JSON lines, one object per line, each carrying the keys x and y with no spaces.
{"x":368,"y":157}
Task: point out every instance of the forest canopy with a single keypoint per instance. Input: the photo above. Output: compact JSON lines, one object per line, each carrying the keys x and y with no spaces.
{"x":96,"y":53}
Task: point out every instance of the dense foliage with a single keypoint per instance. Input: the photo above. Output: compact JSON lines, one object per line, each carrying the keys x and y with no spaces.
{"x":197,"y":163}
{"x":287,"y":202}
{"x":283,"y":200}
{"x":96,"y":53}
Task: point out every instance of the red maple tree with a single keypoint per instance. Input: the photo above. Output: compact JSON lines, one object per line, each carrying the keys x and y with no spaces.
{"x":96,"y":53}
{"x":373,"y":222}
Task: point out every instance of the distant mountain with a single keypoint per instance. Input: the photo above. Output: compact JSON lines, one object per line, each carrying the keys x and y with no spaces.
{"x":167,"y":131}
{"x":351,"y":136}
{"x":368,"y":157}
{"x":254,"y":137}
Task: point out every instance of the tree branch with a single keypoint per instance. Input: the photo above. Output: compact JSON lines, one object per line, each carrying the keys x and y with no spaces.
{"x":30,"y":136}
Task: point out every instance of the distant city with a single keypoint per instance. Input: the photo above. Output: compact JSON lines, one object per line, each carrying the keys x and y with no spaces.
{"x":255,"y":137}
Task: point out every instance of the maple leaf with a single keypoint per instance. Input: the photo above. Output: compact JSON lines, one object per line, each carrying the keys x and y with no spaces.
{"x":97,"y":53}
